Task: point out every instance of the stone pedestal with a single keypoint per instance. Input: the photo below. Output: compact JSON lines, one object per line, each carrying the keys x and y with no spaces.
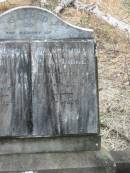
{"x":68,"y":162}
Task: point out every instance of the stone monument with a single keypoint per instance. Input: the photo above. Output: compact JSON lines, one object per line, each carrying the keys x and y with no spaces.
{"x":48,"y":93}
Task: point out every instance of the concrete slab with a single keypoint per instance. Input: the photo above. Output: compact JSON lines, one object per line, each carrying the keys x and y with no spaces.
{"x":42,"y":144}
{"x":122,"y":161}
{"x":69,"y":162}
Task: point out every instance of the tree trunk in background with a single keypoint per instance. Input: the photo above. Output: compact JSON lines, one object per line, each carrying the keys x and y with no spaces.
{"x":62,"y":5}
{"x":93,"y":8}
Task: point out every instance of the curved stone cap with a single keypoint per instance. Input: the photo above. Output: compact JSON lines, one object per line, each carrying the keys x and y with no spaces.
{"x":29,"y":22}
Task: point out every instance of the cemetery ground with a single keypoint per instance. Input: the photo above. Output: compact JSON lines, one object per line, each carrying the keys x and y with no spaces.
{"x":113,"y":54}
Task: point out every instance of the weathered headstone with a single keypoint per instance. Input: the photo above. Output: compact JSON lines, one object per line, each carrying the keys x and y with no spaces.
{"x":48,"y":81}
{"x":48,"y":95}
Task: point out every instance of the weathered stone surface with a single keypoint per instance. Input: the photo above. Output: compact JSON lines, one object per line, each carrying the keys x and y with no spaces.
{"x":64,"y":88}
{"x":80,"y":162}
{"x":37,"y":23}
{"x":48,"y":82}
{"x":57,"y":144}
{"x":48,"y":88}
{"x":15,"y":91}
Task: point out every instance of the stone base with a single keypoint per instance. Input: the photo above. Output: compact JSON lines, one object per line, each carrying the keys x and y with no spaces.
{"x":69,"y":162}
{"x":56,"y":144}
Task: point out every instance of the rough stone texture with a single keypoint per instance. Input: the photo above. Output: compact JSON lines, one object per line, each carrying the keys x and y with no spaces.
{"x":37,"y":23}
{"x":80,"y":162}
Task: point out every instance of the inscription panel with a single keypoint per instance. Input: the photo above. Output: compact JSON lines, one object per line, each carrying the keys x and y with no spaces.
{"x":15,"y":95}
{"x":64,"y":91}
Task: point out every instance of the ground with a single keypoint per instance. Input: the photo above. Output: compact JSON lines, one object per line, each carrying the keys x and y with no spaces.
{"x":113,"y":54}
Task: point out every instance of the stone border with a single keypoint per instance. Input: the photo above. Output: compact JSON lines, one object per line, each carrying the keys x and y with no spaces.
{"x":70,"y":162}
{"x":21,"y":145}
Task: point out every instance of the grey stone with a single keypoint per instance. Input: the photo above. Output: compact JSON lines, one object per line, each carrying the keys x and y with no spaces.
{"x":48,"y":84}
{"x":37,"y":23}
{"x":122,"y":161}
{"x":57,"y":144}
{"x":15,"y":89}
{"x":55,"y":82}
{"x":64,"y":88}
{"x":80,"y":162}
{"x":48,"y":96}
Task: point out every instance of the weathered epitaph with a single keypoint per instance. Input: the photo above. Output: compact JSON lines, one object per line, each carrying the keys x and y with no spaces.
{"x":64,"y":87}
{"x":48,"y":82}
{"x":15,"y":93}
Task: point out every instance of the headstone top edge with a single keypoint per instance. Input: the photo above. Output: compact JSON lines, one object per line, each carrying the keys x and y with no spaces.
{"x":88,"y":31}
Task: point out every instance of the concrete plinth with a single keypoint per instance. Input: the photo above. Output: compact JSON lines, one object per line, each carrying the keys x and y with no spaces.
{"x":69,"y":162}
{"x":48,"y":145}
{"x":122,"y":161}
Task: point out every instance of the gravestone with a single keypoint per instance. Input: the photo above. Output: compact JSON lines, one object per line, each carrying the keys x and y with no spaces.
{"x":48,"y":83}
{"x":48,"y":96}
